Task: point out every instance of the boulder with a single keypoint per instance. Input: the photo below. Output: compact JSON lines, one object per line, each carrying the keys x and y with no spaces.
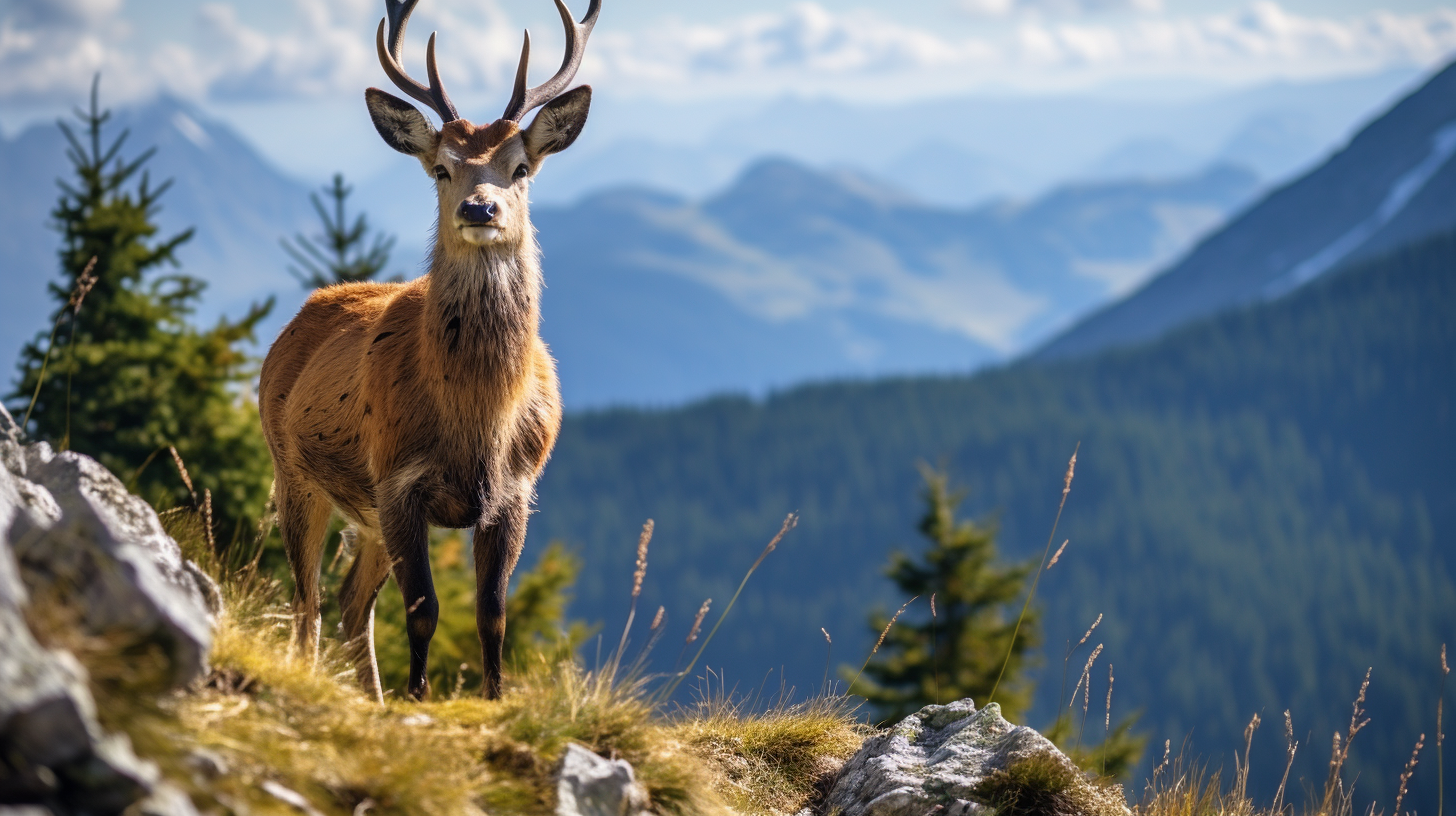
{"x":591,"y":785}
{"x":77,"y":535}
{"x":953,"y":760}
{"x":52,"y":747}
{"x":71,"y":534}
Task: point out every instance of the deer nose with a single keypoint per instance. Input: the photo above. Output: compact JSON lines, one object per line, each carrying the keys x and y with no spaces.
{"x":477,"y":212}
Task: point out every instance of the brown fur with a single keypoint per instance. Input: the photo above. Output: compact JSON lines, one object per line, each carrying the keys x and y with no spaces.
{"x":432,"y":402}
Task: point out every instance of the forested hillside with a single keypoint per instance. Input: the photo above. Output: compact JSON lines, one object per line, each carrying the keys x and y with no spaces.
{"x":1262,"y":509}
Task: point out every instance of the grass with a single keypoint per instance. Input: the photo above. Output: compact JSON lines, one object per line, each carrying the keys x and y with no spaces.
{"x":262,"y":725}
{"x":263,"y":729}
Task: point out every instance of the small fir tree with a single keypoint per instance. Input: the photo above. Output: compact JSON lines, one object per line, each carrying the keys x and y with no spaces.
{"x":958,"y":651}
{"x":343,"y":252}
{"x":123,"y":375}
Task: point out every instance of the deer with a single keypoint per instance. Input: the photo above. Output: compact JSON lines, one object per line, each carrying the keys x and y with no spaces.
{"x":432,"y":402}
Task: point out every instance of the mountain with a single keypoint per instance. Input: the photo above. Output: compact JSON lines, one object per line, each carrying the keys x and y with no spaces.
{"x":1394,"y":182}
{"x":1260,"y":511}
{"x":963,"y":150}
{"x":238,"y":203}
{"x":788,"y":274}
{"x":793,"y":274}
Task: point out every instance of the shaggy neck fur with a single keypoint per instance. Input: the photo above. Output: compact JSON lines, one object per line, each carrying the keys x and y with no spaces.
{"x":483,"y":312}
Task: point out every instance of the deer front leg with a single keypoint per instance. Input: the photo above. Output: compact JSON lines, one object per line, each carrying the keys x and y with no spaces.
{"x":497,"y":547}
{"x":407,"y":541}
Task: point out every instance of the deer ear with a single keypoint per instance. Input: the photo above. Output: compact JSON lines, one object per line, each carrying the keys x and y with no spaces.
{"x":403,"y":128}
{"x":558,"y":124}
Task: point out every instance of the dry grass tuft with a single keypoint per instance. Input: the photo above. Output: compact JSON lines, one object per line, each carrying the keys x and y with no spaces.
{"x":776,"y":761}
{"x":1047,"y":785}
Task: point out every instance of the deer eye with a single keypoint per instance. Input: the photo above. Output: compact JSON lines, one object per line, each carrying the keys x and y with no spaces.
{"x":521,"y":172}
{"x":441,"y":174}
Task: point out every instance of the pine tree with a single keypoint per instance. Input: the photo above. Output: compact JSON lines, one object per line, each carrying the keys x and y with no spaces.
{"x":339,"y":254}
{"x":123,"y":375}
{"x":958,"y":651}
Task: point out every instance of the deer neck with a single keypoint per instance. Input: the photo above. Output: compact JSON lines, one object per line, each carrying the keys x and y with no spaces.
{"x":483,"y":312}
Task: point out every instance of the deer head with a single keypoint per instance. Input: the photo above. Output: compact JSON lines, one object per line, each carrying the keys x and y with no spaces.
{"x":481,"y":172}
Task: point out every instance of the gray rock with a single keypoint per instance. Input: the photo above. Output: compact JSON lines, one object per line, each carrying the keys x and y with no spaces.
{"x":77,"y":533}
{"x":69,"y":531}
{"x":590,"y":785}
{"x":943,"y":758}
{"x":54,"y":747}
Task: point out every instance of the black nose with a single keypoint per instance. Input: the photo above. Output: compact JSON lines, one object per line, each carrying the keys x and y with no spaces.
{"x":475,"y":212}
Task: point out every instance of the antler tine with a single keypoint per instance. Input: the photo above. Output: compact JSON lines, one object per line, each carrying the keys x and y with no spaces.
{"x":523,"y":100}
{"x":439,"y":98}
{"x":397,"y":13}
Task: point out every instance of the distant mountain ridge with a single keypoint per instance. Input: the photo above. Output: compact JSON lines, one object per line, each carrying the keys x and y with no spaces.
{"x":796,"y":274}
{"x":239,"y":204}
{"x":1393,"y":183}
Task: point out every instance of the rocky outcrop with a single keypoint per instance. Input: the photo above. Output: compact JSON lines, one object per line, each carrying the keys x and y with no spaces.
{"x":590,"y":785}
{"x":72,"y":535}
{"x":953,"y":760}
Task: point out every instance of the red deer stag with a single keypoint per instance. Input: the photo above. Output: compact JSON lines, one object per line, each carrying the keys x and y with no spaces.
{"x":433,"y":402}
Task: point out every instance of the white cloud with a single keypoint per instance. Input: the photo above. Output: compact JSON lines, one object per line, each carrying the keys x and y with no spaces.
{"x":810,"y":48}
{"x":1002,"y":8}
{"x":50,"y":48}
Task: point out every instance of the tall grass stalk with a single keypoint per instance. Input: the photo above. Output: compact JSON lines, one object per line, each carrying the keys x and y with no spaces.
{"x":883,"y":634}
{"x":790,"y":521}
{"x":828,"y":653}
{"x":638,"y":574}
{"x":1041,"y":567}
{"x":1408,"y":772}
{"x":934,"y":651}
{"x":1289,"y":762}
{"x":84,"y":282}
{"x":1440,"y":738}
{"x":1336,"y":798}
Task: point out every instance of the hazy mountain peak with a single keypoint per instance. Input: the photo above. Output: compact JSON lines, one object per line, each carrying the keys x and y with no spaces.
{"x":1393,"y":183}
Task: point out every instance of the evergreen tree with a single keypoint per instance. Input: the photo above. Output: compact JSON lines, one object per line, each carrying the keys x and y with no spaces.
{"x":339,"y":255}
{"x":958,"y":651}
{"x":124,"y":375}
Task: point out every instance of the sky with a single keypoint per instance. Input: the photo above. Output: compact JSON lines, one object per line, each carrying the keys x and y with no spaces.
{"x":289,"y":73}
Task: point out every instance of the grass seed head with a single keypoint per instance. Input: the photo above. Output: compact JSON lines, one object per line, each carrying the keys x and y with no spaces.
{"x":641,"y":571}
{"x":1071,"y":466}
{"x":698,"y":621}
{"x":1410,"y":770}
{"x":1056,"y":556}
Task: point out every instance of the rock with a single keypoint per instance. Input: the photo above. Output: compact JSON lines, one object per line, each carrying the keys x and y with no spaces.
{"x":955,"y":761}
{"x":590,"y":785}
{"x":77,"y":534}
{"x":70,"y":533}
{"x":55,"y":750}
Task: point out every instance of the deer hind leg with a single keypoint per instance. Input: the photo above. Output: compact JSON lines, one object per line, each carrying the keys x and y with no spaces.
{"x":303,"y":519}
{"x":356,"y":601}
{"x":497,"y":548}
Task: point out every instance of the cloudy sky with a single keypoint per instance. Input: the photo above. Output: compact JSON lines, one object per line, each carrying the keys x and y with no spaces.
{"x":304,"y":62}
{"x":228,"y":50}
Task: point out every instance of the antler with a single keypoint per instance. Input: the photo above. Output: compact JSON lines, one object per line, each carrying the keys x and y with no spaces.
{"x":523,"y":100}
{"x":397,"y":13}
